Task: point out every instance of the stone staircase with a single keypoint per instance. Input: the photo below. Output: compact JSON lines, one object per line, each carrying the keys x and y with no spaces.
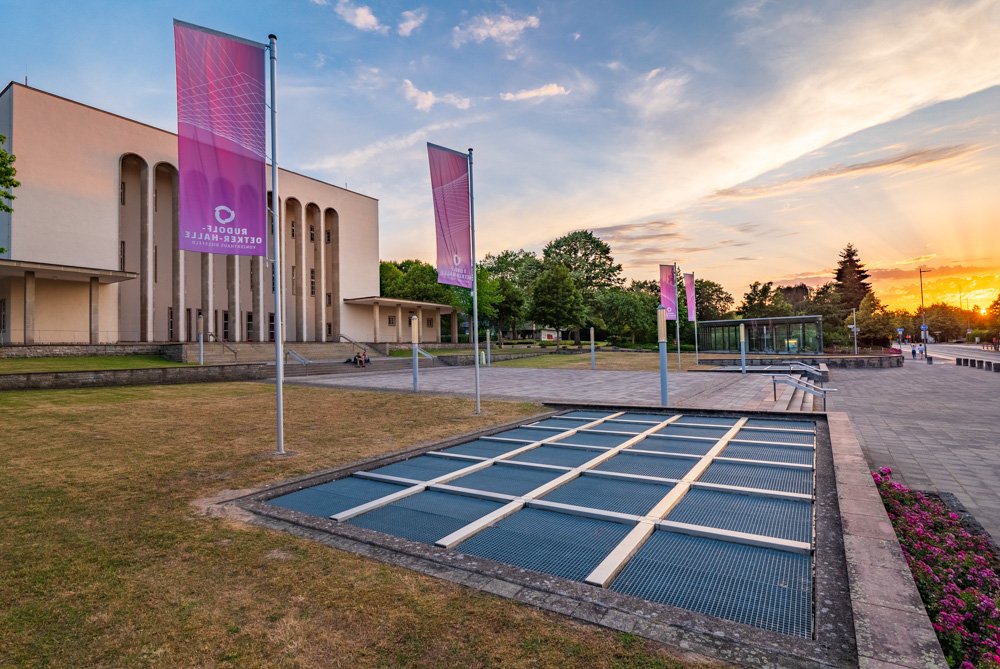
{"x":294,"y":368}
{"x":217,"y":353}
{"x":791,"y":398}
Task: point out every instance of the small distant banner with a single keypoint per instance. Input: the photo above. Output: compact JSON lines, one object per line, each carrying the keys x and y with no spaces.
{"x":452,"y":215}
{"x":689,"y":292}
{"x":668,"y":291}
{"x":221,"y":118}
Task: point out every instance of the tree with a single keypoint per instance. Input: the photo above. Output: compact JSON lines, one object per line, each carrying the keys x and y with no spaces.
{"x":510,"y":310}
{"x":712,"y":301}
{"x":518,"y":267}
{"x":556,"y":301}
{"x":488,"y":296}
{"x":388,"y":274}
{"x":852,"y":278}
{"x":763,"y":301}
{"x":796,"y":296}
{"x":875,"y":323}
{"x":416,"y":281}
{"x":630,"y":313}
{"x":7,"y":181}
{"x":591,"y":267}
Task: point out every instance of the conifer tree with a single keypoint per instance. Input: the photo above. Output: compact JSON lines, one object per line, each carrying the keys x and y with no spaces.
{"x":852,"y":278}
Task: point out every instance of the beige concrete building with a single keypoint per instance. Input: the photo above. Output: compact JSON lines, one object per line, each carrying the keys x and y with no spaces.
{"x":92,"y":251}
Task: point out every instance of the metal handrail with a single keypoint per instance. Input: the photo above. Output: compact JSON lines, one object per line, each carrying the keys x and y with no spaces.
{"x":424,"y":353}
{"x":298,"y":358}
{"x":225,"y":344}
{"x":356,"y":343}
{"x":796,"y":382}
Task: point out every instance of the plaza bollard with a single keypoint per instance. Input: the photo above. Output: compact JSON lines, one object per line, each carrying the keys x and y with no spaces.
{"x":979,"y":364}
{"x":965,"y":362}
{"x":988,"y":366}
{"x":996,"y":367}
{"x":958,"y":362}
{"x":930,"y":360}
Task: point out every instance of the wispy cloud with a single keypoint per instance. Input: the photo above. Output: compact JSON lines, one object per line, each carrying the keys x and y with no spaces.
{"x":910,"y":261}
{"x":411,"y":20}
{"x":424,"y":100}
{"x":359,"y":16}
{"x":656,"y":93}
{"x":500,"y":28}
{"x":548,"y":90}
{"x":908,"y":160}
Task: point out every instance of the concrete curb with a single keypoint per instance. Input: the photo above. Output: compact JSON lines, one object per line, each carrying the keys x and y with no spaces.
{"x":891,"y":625}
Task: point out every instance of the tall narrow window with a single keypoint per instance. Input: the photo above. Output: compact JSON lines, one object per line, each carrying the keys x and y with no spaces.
{"x":249,"y":326}
{"x":329,"y":329}
{"x":121,"y":256}
{"x":270,"y":326}
{"x":312,"y":282}
{"x":225,"y":325}
{"x":272,"y":278}
{"x":312,"y":233}
{"x":293,"y":229}
{"x":251,"y":272}
{"x":154,"y":199}
{"x":329,"y":299}
{"x":170,"y":324}
{"x":293,"y":279}
{"x":121,"y":193}
{"x":430,"y":322}
{"x":156,"y":265}
{"x":392,"y":320}
{"x":3,"y":317}
{"x":327,"y":236}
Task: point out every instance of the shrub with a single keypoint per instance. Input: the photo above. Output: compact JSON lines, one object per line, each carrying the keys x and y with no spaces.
{"x":955,"y":572}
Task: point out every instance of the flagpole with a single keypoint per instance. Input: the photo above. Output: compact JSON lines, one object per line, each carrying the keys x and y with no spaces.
{"x":279,"y":366}
{"x":678,"y":320}
{"x":475,"y":289}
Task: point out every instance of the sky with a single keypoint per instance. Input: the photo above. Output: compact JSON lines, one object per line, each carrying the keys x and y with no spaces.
{"x":746,"y":141}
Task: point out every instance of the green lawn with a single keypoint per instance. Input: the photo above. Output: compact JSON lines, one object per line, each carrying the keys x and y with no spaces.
{"x":104,"y":561}
{"x":82,"y":363}
{"x":607,"y":360}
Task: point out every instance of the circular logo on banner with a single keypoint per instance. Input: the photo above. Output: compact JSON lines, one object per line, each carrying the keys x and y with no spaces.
{"x":220,"y":211}
{"x":456,"y":259}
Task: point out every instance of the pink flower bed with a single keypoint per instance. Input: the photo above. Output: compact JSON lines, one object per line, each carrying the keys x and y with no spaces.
{"x":955,"y":572}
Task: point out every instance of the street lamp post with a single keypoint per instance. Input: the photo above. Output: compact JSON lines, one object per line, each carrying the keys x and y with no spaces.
{"x":923,"y":313}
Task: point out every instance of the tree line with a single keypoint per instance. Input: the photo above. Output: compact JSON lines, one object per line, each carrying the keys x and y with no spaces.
{"x":575,"y":284}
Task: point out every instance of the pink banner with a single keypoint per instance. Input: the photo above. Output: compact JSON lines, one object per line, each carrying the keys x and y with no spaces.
{"x":689,"y":292}
{"x":668,"y":291}
{"x":450,"y":186}
{"x":220,"y":143}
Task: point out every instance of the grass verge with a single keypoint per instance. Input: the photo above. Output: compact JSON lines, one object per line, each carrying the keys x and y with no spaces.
{"x":105,"y":562}
{"x":606,"y":360}
{"x":83,"y":363}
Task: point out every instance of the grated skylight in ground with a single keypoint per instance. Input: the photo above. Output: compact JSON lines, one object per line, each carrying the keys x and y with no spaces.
{"x":713,"y":514}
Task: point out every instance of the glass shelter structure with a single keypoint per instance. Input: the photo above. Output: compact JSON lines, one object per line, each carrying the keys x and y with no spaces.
{"x":788,"y":335}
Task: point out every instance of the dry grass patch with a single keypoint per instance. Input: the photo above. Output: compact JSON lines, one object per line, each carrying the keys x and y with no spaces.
{"x":621,"y":361}
{"x":83,"y":363}
{"x":106,"y":563}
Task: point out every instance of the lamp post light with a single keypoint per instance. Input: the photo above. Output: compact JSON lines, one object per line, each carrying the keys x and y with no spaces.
{"x":923,"y":313}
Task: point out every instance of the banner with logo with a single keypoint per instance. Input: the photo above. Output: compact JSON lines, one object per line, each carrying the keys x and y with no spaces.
{"x":668,"y":291}
{"x":689,"y":293}
{"x":220,"y":142}
{"x":450,"y":187}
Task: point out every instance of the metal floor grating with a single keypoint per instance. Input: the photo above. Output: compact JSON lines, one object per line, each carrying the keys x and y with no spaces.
{"x":672,"y":445}
{"x":648,"y":465}
{"x":590,"y":438}
{"x":763,"y":477}
{"x":706,"y":420}
{"x":563,"y":423}
{"x":631,"y":426}
{"x":553,"y":455}
{"x":423,"y":468}
{"x":777,"y":436}
{"x":634,"y":497}
{"x":426,"y":516}
{"x":781,"y":424}
{"x":745,"y":451}
{"x":336,"y":496}
{"x":592,"y":415}
{"x":646,"y":417}
{"x":506,"y":479}
{"x":547,"y":542}
{"x":765,"y":588}
{"x":484,"y":449}
{"x":767,"y":516}
{"x":527,"y":434}
{"x":693,"y":431}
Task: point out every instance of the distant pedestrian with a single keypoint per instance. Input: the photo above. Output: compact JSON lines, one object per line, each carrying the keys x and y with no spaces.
{"x":913,"y":351}
{"x":920,"y":350}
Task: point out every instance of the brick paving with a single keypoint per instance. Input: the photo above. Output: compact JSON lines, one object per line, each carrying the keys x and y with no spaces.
{"x":937,"y":426}
{"x":696,"y":390}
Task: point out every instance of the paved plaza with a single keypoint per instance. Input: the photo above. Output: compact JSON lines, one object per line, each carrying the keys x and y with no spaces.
{"x":697,"y":390}
{"x":935,"y":425}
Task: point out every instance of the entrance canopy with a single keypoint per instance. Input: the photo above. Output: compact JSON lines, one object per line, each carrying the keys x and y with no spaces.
{"x":783,"y":334}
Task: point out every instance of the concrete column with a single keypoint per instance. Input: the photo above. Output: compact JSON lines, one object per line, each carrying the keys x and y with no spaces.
{"x":399,"y":323}
{"x":257,"y":295}
{"x":376,"y":318}
{"x":420,"y":325}
{"x":302,"y":276}
{"x":29,"y":308}
{"x":95,"y":311}
{"x":437,"y":327}
{"x":177,"y":289}
{"x":146,"y":255}
{"x":319,"y":301}
{"x":454,"y":326}
{"x":208,"y":292}
{"x":233,"y":288}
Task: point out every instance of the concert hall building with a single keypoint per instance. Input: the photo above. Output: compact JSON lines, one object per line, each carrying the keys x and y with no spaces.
{"x":92,"y":253}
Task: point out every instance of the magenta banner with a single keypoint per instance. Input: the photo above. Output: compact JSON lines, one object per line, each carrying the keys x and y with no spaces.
{"x":220,"y":142}
{"x":689,"y":292}
{"x":668,"y":291}
{"x":450,"y":187}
